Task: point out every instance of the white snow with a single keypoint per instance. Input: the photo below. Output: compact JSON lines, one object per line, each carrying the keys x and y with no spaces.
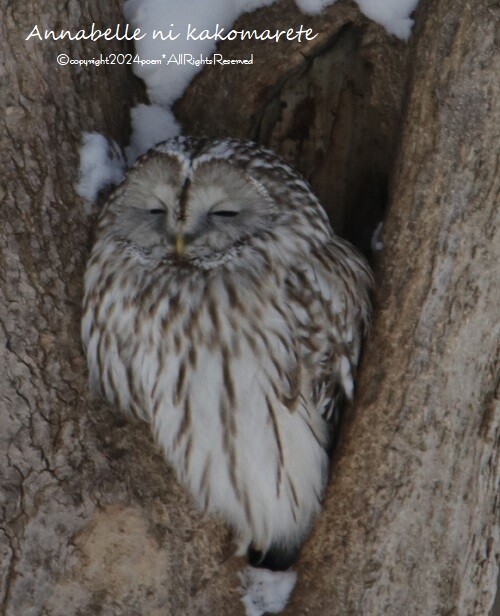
{"x":101,"y":165}
{"x":266,"y":592}
{"x":150,"y":125}
{"x":394,"y":15}
{"x":167,"y":82}
{"x":311,"y":7}
{"x":376,"y":243}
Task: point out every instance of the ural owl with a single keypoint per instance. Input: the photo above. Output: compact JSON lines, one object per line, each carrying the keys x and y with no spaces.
{"x":221,"y":308}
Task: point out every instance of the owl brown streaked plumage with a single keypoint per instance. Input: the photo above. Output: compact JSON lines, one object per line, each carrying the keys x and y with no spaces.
{"x":221,"y":308}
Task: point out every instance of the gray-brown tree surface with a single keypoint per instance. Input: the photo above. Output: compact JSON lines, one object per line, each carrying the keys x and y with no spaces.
{"x":91,"y":518}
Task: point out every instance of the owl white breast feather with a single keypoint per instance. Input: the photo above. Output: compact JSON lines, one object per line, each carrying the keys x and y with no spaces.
{"x":221,"y":308}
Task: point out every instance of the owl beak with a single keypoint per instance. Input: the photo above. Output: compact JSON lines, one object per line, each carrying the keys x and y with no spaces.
{"x":179,"y":244}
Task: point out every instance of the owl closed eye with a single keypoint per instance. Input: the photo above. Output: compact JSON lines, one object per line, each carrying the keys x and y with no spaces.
{"x":209,"y":210}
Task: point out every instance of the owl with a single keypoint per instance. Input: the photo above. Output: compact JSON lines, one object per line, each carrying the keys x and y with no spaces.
{"x":221,"y":308}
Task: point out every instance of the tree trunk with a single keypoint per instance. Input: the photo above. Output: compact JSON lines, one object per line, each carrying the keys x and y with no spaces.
{"x":410,"y":522}
{"x":91,"y":518}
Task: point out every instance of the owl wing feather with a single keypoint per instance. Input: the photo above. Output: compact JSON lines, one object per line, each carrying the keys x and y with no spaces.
{"x":331,"y":308}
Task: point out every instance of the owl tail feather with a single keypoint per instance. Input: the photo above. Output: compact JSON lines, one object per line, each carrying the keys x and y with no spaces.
{"x":277,"y":558}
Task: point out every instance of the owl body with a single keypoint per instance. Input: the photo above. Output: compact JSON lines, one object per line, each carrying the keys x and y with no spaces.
{"x":220,"y":307}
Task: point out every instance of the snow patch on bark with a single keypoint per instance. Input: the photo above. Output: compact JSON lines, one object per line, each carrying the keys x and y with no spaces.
{"x":101,"y":164}
{"x":266,"y":592}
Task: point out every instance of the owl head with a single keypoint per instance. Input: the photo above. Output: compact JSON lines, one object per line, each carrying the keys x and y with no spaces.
{"x":199,"y":201}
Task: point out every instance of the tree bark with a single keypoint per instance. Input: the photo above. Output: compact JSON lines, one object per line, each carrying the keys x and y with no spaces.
{"x":91,"y":518}
{"x":411,"y":518}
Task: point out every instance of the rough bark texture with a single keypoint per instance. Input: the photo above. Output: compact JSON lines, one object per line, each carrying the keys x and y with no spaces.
{"x":91,"y":518}
{"x":410,"y":522}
